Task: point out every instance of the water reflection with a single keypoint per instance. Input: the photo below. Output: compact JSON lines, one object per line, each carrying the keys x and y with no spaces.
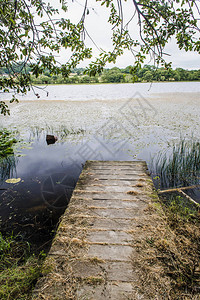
{"x":57,"y":190}
{"x":7,"y":167}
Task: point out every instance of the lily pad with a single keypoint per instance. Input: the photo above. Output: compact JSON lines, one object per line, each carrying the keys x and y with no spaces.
{"x":13,"y":180}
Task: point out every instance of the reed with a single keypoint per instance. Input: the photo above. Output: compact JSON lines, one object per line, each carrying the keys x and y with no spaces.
{"x":178,"y":167}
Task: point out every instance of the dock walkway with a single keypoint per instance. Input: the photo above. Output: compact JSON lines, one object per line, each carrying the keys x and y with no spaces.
{"x":91,"y":256}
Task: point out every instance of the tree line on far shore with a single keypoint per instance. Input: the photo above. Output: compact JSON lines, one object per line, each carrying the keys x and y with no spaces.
{"x":116,"y":75}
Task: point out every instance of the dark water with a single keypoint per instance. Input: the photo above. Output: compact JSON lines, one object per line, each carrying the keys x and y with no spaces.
{"x":32,"y":207}
{"x":48,"y":173}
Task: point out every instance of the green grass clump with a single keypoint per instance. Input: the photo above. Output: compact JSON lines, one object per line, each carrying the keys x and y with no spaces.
{"x":19,"y":269}
{"x":179,"y":207}
{"x":17,"y":282}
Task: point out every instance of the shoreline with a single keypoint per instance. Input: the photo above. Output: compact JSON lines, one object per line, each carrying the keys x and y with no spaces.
{"x":118,"y":83}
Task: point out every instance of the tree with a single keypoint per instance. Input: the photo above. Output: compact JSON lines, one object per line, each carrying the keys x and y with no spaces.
{"x":194,"y":75}
{"x":31,"y":32}
{"x":113,"y":75}
{"x":148,"y":76}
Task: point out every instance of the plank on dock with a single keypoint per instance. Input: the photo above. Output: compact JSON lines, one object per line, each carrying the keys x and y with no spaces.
{"x":92,"y":251}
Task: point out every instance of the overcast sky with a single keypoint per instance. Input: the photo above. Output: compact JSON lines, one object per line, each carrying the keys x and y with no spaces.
{"x":100,"y":30}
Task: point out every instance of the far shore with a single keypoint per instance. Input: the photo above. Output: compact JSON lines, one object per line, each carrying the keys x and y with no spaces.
{"x":107,"y":83}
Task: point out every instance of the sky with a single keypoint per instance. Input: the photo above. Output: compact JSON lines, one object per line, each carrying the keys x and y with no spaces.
{"x":99,"y":29}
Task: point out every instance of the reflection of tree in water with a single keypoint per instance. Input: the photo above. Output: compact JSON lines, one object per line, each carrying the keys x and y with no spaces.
{"x":7,"y":167}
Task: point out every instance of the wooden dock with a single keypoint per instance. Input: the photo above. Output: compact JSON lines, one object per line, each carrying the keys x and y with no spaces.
{"x":92,"y":254}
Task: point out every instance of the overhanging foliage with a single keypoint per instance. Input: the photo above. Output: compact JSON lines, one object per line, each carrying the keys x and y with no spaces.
{"x":31,"y":31}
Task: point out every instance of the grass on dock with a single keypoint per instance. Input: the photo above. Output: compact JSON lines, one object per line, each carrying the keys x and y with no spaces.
{"x":168,"y":250}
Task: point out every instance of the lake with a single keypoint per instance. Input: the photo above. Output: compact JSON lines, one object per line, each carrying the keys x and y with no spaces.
{"x":104,"y":122}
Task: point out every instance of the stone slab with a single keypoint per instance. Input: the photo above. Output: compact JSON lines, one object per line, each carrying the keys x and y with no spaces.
{"x":111,"y":224}
{"x":116,"y":163}
{"x":110,"y":252}
{"x":110,"y":237}
{"x":112,"y":176}
{"x":115,"y":171}
{"x":113,"y":291}
{"x":112,"y":271}
{"x":119,"y":271}
{"x":120,"y":188}
{"x":112,"y":213}
{"x":113,"y":182}
{"x":85,"y":269}
{"x":112,"y":203}
{"x":140,"y":197}
{"x":105,"y":195}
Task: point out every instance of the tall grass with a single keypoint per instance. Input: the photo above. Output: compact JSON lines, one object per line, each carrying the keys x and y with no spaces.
{"x":178,"y":168}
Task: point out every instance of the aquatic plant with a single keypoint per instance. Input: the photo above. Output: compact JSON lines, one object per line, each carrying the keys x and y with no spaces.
{"x":6,"y":143}
{"x":61,"y":132}
{"x":178,"y":167}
